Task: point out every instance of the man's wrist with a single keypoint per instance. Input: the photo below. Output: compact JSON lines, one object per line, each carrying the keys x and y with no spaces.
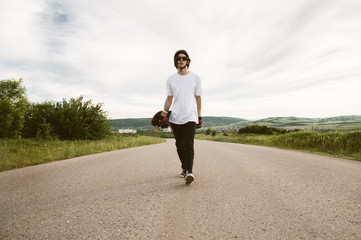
{"x":199,"y":124}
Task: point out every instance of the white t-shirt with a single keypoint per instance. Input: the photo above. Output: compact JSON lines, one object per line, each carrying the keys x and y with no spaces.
{"x":184,"y":89}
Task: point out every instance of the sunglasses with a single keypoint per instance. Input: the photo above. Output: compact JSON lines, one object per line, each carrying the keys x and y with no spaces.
{"x":183,"y":58}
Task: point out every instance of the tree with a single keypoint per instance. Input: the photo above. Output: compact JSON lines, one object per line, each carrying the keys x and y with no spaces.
{"x":80,"y":119}
{"x":13,"y":106}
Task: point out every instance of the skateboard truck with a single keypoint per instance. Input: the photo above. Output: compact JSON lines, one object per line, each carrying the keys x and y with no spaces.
{"x":164,"y":113}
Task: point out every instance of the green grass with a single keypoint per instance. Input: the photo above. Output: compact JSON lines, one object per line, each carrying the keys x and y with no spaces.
{"x":337,"y":144}
{"x":17,"y":153}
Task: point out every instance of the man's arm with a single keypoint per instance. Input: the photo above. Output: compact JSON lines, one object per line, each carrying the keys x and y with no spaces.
{"x":199,"y":105}
{"x":168,"y":103}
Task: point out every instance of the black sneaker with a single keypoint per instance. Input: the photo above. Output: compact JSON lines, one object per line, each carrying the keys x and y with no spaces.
{"x":183,"y":174}
{"x":189,"y":178}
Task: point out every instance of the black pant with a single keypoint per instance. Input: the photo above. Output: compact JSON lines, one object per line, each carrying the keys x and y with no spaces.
{"x":184,"y":141}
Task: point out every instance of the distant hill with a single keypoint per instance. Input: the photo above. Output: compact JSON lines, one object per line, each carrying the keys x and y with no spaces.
{"x":144,"y":123}
{"x":222,"y":121}
{"x":342,"y":123}
{"x":131,"y":123}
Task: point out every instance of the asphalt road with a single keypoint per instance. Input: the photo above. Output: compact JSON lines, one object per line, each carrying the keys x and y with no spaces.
{"x":240,"y":192}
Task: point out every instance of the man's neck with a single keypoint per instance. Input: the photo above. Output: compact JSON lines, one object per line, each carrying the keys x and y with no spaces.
{"x":183,"y":71}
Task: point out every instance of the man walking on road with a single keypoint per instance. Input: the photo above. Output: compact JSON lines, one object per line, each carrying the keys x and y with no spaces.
{"x":184,"y":93}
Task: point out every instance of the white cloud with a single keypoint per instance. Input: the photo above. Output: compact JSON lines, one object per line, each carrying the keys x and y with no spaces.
{"x":256,"y":59}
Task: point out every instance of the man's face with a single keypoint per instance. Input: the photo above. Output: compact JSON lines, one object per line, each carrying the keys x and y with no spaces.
{"x":181,"y":60}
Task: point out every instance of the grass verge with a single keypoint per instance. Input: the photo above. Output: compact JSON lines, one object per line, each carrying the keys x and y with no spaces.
{"x":17,"y":153}
{"x":337,"y":144}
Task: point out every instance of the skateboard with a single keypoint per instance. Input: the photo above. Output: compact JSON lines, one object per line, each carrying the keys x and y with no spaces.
{"x":160,"y":120}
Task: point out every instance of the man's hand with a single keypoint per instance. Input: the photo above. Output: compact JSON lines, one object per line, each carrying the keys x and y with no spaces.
{"x":199,"y":124}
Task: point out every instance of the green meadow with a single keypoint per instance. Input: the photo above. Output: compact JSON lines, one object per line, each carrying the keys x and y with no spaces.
{"x":337,"y":144}
{"x":17,"y":153}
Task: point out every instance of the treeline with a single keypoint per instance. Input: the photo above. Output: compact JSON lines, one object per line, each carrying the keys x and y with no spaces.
{"x":67,"y":120}
{"x":260,"y":129}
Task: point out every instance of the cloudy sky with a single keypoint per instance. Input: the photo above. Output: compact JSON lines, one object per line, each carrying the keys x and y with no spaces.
{"x":256,"y":59}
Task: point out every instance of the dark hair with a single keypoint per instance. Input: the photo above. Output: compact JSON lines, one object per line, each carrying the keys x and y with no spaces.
{"x":179,"y":52}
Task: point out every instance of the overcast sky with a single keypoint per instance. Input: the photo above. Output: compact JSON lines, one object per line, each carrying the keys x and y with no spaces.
{"x":256,"y":59}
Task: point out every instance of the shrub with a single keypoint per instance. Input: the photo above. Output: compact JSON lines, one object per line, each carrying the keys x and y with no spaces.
{"x":73,"y":119}
{"x":208,"y":131}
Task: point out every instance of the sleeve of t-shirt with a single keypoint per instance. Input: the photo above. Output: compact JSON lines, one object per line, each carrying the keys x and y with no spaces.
{"x":168,"y":88}
{"x":198,"y":90}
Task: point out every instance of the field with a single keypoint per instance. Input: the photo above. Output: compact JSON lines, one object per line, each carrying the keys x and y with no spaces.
{"x":337,"y":144}
{"x":17,"y":153}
